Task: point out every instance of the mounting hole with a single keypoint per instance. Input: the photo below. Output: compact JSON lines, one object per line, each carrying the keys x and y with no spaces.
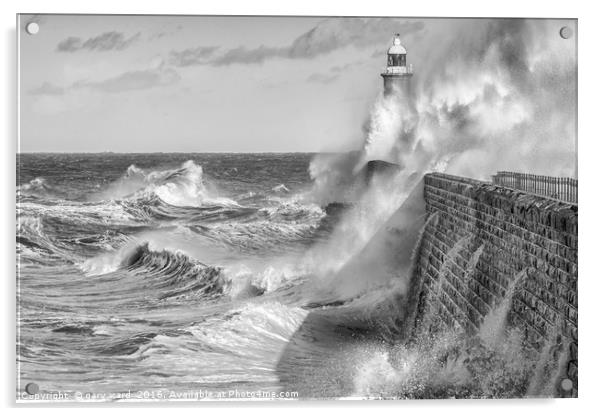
{"x":32,"y":28}
{"x":566,"y":32}
{"x":566,"y":384}
{"x":32,"y":388}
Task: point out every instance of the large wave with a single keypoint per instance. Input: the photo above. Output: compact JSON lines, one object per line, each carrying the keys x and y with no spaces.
{"x":38,"y":187}
{"x":182,"y":187}
{"x":166,"y":273}
{"x":176,"y":259}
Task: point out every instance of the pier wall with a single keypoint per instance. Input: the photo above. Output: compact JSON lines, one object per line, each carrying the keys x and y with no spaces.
{"x":483,"y":244}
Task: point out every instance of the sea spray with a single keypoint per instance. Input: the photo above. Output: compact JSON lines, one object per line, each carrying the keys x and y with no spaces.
{"x":493,"y":327}
{"x":416,"y":281}
{"x":184,"y":186}
{"x":431,"y":317}
{"x":390,"y":130}
{"x":549,"y":368}
{"x":472,"y":263}
{"x":446,"y":364}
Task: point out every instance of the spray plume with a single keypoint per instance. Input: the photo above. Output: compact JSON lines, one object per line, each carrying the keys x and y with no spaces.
{"x":486,"y":95}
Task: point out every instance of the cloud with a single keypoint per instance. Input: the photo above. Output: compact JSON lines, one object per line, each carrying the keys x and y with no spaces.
{"x":71,"y":44}
{"x":107,"y":41}
{"x":327,"y":36}
{"x":47,"y":89}
{"x":249,"y":56}
{"x":191,"y":56}
{"x":161,"y":34}
{"x":134,"y":80}
{"x":332,"y":34}
{"x":127,"y":81}
{"x":322,"y":78}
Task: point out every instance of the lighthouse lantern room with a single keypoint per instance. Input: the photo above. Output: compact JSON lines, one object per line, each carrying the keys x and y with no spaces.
{"x":397,"y":72}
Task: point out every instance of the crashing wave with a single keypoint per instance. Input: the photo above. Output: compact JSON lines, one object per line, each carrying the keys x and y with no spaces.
{"x":150,"y":207}
{"x":182,"y":187}
{"x":32,"y":242}
{"x":245,"y":280}
{"x":38,"y":187}
{"x":171,"y":272}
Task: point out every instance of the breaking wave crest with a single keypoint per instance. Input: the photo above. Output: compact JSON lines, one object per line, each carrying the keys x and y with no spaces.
{"x":38,"y":187}
{"x":175,"y":272}
{"x":183,"y":187}
{"x":32,"y":242}
{"x":169,"y":272}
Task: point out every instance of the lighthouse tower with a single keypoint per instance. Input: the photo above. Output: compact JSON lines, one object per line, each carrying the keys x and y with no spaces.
{"x":398,"y":73}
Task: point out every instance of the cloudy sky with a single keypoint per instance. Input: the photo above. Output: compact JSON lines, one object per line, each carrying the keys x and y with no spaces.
{"x":201,"y":84}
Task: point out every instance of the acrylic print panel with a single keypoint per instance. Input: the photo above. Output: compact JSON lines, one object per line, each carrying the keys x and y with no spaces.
{"x":218,"y":208}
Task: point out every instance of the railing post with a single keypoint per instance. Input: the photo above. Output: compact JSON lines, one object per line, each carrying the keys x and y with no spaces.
{"x":544,"y":185}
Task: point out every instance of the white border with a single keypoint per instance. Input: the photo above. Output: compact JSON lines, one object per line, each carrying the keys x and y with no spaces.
{"x":589,"y":171}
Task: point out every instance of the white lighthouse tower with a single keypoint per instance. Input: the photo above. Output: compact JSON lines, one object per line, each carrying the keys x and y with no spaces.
{"x":398,"y":73}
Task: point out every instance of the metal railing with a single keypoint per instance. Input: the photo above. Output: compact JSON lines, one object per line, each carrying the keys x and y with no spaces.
{"x":564,"y":189}
{"x":398,"y":70}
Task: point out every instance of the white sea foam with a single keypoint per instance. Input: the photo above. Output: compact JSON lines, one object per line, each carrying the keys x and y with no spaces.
{"x":183,"y":186}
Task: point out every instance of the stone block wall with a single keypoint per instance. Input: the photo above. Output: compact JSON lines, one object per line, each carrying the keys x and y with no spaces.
{"x":482,"y":245}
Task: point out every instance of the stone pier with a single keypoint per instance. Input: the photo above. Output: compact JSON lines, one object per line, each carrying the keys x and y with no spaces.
{"x":484,"y":243}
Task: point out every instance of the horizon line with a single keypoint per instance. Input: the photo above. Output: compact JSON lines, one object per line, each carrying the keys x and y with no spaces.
{"x":182,"y":152}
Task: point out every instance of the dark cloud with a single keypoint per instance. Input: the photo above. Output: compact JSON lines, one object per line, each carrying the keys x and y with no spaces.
{"x":327,"y":36}
{"x":127,"y":81}
{"x":71,"y":44}
{"x":191,"y":56}
{"x":107,"y":41}
{"x":322,"y":78}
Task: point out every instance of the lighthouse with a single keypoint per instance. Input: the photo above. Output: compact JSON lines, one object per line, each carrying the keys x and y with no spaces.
{"x":397,"y":74}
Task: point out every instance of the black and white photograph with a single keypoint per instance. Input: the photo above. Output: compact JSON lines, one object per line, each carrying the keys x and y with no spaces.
{"x":293,"y":208}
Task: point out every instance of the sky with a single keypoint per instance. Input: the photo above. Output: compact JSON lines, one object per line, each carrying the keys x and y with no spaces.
{"x":93,"y":83}
{"x":484,"y":91}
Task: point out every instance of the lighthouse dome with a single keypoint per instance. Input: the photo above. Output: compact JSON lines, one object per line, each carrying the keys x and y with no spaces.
{"x":397,"y":48}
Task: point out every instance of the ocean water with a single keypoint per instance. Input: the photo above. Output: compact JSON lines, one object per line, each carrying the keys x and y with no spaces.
{"x":168,"y":273}
{"x":207,"y":276}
